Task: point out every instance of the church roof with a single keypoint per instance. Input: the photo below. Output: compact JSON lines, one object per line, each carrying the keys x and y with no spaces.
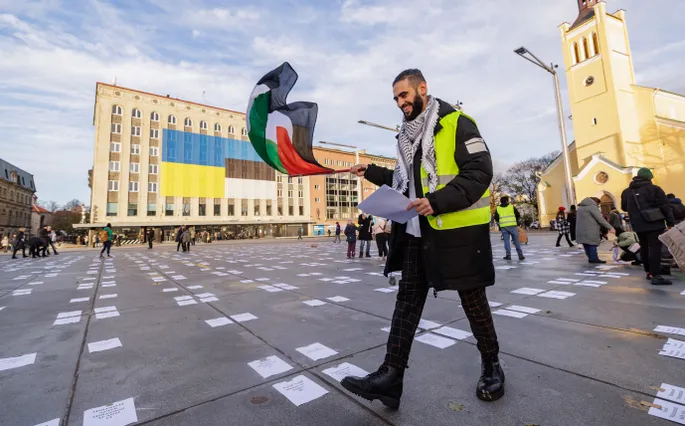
{"x":583,"y":16}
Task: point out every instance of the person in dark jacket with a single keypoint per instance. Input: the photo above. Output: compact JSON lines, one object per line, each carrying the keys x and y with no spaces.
{"x":337,"y":232}
{"x":150,"y":237}
{"x":351,"y":238}
{"x":35,"y":246}
{"x":642,"y":195}
{"x":616,"y":222}
{"x":45,"y":236}
{"x":19,"y":243}
{"x":677,"y":208}
{"x":179,"y":234}
{"x":365,"y":236}
{"x":571,"y":217}
{"x":563,"y":227}
{"x":441,"y":247}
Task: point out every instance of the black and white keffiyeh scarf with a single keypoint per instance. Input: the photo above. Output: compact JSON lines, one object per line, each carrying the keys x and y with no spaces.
{"x":414,"y":134}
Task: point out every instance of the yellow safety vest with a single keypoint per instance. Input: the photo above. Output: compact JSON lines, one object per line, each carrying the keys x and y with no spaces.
{"x":446,"y":170}
{"x":507,"y":217}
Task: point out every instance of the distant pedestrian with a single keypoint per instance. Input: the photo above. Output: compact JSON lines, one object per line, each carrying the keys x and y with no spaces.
{"x":677,"y":208}
{"x":299,"y":233}
{"x":150,"y":237}
{"x":19,"y":243}
{"x":381,"y":234}
{"x":650,"y":213}
{"x":563,"y":226}
{"x":5,"y":245}
{"x":508,"y":217}
{"x":192,"y":236}
{"x":329,"y":233}
{"x":365,"y":235}
{"x":179,"y":233}
{"x":185,"y":240}
{"x":53,"y":239}
{"x":45,"y":236}
{"x":351,"y":238}
{"x":571,"y":218}
{"x":338,"y":231}
{"x":588,"y":226}
{"x":106,"y":236}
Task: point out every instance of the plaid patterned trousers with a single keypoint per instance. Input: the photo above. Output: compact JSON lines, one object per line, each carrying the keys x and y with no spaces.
{"x":411,"y":298}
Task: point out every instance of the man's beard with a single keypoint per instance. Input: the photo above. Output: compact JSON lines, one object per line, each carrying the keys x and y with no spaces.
{"x":417,"y":108}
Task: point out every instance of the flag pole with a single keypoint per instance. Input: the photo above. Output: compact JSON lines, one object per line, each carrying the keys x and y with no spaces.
{"x":330,"y":172}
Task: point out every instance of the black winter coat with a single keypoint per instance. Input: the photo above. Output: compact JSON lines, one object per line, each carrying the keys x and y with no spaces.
{"x":649,"y":196}
{"x":454,"y":259}
{"x":678,"y":209}
{"x":365,"y":228}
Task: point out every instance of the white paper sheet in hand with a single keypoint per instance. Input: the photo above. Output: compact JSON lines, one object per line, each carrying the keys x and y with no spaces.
{"x":388,"y":203}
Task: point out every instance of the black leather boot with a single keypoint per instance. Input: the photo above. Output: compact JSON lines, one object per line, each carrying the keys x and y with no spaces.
{"x":384,"y":385}
{"x":491,"y":384}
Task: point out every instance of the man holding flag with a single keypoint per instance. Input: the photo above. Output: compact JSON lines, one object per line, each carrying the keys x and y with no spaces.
{"x":444,"y":165}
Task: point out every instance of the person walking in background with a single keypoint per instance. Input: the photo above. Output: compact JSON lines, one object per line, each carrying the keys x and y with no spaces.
{"x":5,"y":243}
{"x":106,"y":238}
{"x":650,"y":213}
{"x":177,"y":239}
{"x":337,"y":232}
{"x":571,"y":217}
{"x":677,"y":208}
{"x":52,"y":239}
{"x":192,"y":236}
{"x":150,"y":237}
{"x":616,"y":222}
{"x":185,"y":239}
{"x":299,"y":233}
{"x":351,"y":238}
{"x":507,"y":217}
{"x":563,"y":226}
{"x":588,"y":227}
{"x":45,"y":236}
{"x":379,"y":233}
{"x":365,"y":235}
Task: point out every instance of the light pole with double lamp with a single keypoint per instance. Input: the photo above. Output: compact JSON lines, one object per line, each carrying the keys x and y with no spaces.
{"x":551,"y":68}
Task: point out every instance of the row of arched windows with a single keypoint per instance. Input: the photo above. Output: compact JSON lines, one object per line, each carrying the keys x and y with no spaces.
{"x":188,"y":122}
{"x":17,"y":198}
{"x":588,"y":48}
{"x":14,"y":218}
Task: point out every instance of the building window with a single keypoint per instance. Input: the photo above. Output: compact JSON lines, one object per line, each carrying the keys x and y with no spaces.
{"x":168,"y":209}
{"x":243,"y":132}
{"x":268,"y":208}
{"x":133,"y":187}
{"x":135,"y":148}
{"x":290,"y":193}
{"x":186,"y":208}
{"x":325,"y":161}
{"x":217,"y":209}
{"x":217,"y":127}
{"x":279,"y":192}
{"x":116,"y":128}
{"x":135,"y":168}
{"x":575,"y":54}
{"x":152,"y":187}
{"x":231,"y":130}
{"x":257,"y":208}
{"x":595,"y":43}
{"x":172,"y":119}
{"x":136,"y":113}
{"x":154,"y":133}
{"x":203,"y":125}
{"x":154,"y":116}
{"x":301,"y":210}
{"x":114,"y":166}
{"x":317,"y":186}
{"x":300,"y":193}
{"x":116,"y":110}
{"x":153,"y":169}
{"x":594,"y":121}
{"x":243,"y":207}
{"x":152,"y":209}
{"x":111,"y":209}
{"x":231,"y":207}
{"x":586,"y":50}
{"x":291,"y":210}
{"x":188,"y":122}
{"x":154,"y":151}
{"x":202,"y":209}
{"x":317,"y":200}
{"x":114,"y":147}
{"x":299,"y":180}
{"x":133,"y":209}
{"x":113,"y":185}
{"x":135,"y":130}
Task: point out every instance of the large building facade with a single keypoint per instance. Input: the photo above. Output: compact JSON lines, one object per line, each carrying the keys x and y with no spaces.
{"x":334,"y":198}
{"x":618,"y":125}
{"x":160,"y":162}
{"x":16,"y":195}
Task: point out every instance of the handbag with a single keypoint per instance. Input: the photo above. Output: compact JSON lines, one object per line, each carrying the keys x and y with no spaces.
{"x":652,"y":214}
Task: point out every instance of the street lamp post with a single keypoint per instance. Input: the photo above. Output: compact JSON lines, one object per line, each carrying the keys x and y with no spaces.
{"x":522,"y":52}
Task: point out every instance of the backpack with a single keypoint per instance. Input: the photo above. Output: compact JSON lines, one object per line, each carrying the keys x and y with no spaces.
{"x":104,"y":236}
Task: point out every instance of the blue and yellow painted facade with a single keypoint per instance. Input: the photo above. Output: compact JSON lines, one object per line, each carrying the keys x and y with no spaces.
{"x":193,"y":165}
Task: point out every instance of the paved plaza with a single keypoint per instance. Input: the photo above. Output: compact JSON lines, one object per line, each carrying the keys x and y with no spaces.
{"x":260,"y":333}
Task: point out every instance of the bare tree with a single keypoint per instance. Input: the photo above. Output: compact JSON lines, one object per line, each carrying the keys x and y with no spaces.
{"x":73,"y":206}
{"x":49,"y":205}
{"x":523,"y":178}
{"x":497,"y":189}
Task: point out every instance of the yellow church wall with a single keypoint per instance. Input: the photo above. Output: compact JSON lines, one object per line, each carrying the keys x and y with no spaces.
{"x":670,"y":172}
{"x":588,"y":186}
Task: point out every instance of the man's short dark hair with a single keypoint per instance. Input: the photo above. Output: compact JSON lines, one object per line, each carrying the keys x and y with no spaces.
{"x":504,"y":199}
{"x":414,"y":75}
{"x":670,"y":196}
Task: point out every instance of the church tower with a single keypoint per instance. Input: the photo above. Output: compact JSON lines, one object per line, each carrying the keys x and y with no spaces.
{"x":600,"y":76}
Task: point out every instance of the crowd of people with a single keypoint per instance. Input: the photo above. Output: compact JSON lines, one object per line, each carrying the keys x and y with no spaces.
{"x":366,"y":230}
{"x":38,"y":246}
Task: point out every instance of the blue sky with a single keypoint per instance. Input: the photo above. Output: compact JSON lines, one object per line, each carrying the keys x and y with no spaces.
{"x":347,"y":53}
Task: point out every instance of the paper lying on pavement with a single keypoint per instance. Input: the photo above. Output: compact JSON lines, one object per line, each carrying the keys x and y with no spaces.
{"x":435,"y":340}
{"x":104,"y":345}
{"x":670,"y":330}
{"x":269,"y":366}
{"x":670,"y":392}
{"x":345,"y":369}
{"x":316,"y":351}
{"x":669,"y":411}
{"x":454,"y":333}
{"x":388,"y":203}
{"x":119,"y":413}
{"x":300,"y":390}
{"x":507,"y":313}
